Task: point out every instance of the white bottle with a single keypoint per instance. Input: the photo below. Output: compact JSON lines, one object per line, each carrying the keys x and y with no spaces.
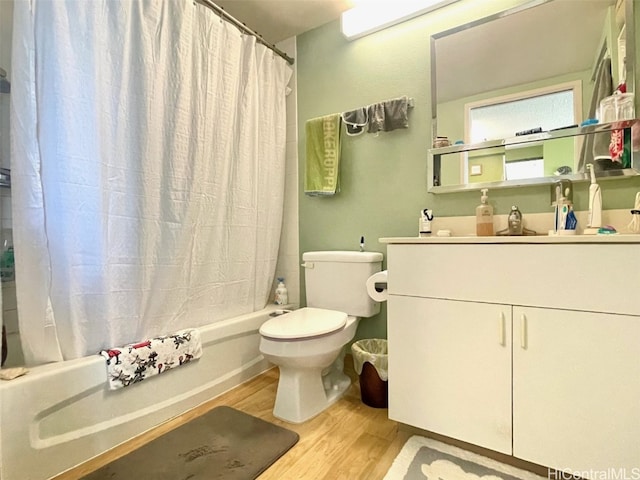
{"x":595,"y":201}
{"x":282,"y":296}
{"x":424,"y":223}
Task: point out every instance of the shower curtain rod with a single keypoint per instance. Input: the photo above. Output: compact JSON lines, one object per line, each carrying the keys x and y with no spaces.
{"x":220,"y":11}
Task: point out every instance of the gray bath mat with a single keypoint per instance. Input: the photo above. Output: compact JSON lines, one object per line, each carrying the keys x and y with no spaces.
{"x":426,"y":459}
{"x":221,"y":444}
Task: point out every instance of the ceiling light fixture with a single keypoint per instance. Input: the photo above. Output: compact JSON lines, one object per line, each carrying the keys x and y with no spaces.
{"x":372,"y":16}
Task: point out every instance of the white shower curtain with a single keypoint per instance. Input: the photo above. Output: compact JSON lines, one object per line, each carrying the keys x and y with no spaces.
{"x":148,"y":171}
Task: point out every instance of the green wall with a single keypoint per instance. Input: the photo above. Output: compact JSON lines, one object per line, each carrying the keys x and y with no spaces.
{"x":490,"y":161}
{"x":556,"y":152}
{"x":384,"y":177}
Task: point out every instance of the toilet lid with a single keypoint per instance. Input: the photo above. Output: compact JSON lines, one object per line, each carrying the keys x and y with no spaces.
{"x":303,"y":323}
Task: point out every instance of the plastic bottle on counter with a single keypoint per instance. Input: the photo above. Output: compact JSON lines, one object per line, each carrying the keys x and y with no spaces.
{"x":424,"y":223}
{"x":282,"y":295}
{"x":484,"y":216}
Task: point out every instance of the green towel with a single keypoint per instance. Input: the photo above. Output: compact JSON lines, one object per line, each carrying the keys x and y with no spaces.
{"x":323,"y":155}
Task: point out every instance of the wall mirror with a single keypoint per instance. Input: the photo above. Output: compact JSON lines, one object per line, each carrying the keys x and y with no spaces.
{"x":535,"y":67}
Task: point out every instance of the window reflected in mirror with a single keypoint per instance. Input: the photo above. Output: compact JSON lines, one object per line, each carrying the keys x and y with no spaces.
{"x":538,"y":110}
{"x":520,"y":169}
{"x":508,"y":116}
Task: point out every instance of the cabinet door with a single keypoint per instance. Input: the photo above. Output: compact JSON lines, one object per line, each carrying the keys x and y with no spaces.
{"x":450,"y":368}
{"x":576,"y":397}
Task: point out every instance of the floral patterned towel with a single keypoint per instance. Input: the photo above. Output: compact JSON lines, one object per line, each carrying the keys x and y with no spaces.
{"x":135,"y":362}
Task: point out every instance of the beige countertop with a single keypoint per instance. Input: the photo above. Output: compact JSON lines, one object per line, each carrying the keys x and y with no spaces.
{"x":534,"y":239}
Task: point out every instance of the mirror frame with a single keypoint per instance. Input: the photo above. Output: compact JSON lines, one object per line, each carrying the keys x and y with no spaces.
{"x":435,"y":154}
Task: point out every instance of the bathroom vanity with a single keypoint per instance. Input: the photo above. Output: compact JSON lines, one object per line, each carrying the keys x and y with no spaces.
{"x":529,"y":346}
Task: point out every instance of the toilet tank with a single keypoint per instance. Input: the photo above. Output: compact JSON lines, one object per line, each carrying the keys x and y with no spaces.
{"x":337,"y":281}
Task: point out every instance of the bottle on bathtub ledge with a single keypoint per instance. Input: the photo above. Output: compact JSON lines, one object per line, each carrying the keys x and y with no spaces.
{"x":282,"y":296}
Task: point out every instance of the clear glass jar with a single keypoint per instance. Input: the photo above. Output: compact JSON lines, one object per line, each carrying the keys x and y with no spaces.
{"x":617,"y":107}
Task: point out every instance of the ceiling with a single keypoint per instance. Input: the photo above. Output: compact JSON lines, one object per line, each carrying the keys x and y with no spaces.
{"x":277,"y":20}
{"x":469,"y":50}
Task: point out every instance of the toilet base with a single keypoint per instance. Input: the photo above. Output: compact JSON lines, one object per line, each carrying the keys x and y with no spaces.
{"x":304,"y":393}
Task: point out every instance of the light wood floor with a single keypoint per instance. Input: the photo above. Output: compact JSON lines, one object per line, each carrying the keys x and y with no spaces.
{"x":347,"y":441}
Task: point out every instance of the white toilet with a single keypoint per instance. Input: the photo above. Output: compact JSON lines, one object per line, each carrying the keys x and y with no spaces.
{"x":308,"y":344}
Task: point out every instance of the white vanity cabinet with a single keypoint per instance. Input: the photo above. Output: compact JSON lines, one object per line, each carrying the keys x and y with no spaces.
{"x":522,"y":346}
{"x":450,"y":365}
{"x":576,"y":389}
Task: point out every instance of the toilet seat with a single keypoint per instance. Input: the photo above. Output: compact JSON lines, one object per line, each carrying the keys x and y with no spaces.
{"x":304,"y":323}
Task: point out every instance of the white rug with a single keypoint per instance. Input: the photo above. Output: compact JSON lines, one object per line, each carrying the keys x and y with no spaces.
{"x":422,"y":458}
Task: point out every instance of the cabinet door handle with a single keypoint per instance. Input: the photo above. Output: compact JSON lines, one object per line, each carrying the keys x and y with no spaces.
{"x":523,"y":331}
{"x":502,"y":327}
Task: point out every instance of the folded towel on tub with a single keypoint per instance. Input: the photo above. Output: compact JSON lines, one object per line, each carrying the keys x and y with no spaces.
{"x":323,"y":155}
{"x":134,"y":362}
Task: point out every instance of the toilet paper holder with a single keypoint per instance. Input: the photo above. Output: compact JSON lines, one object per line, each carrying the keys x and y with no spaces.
{"x":377,"y":286}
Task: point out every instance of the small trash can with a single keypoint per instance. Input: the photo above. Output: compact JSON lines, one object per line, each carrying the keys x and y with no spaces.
{"x":370,"y":361}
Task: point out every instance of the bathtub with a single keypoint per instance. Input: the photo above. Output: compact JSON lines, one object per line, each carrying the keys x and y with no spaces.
{"x":62,"y":414}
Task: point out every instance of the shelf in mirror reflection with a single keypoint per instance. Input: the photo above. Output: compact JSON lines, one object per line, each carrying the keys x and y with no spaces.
{"x":537,"y":137}
{"x":450,"y":166}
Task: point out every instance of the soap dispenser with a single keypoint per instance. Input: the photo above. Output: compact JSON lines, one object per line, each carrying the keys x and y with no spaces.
{"x":484,"y":216}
